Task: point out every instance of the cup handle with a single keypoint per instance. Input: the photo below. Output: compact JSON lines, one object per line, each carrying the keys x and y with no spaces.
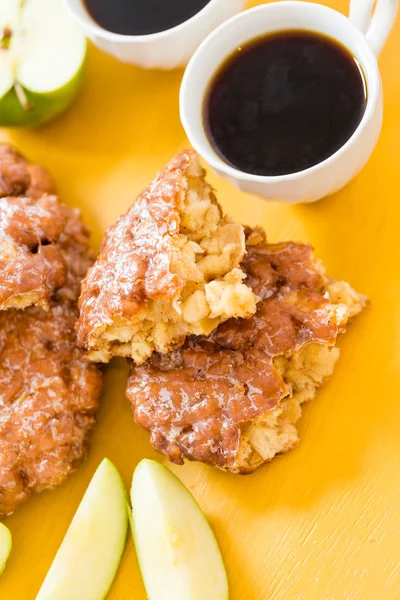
{"x":375,"y":24}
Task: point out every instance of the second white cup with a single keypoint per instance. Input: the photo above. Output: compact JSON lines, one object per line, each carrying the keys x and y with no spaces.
{"x":364,"y":35}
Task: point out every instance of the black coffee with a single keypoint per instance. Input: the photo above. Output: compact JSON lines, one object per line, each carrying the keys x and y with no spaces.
{"x":284,"y":102}
{"x":140,"y":17}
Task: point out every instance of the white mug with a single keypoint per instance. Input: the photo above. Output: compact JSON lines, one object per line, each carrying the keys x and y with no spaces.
{"x":363,"y":34}
{"x":161,"y":50}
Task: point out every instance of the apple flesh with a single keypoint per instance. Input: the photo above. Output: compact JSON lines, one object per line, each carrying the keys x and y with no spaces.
{"x":91,"y":551}
{"x":177,"y":552}
{"x":42,"y":56}
{"x":5,"y":546}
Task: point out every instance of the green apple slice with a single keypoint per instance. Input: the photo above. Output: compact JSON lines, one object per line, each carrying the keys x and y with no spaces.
{"x":178,"y":554}
{"x":91,"y":551}
{"x":42,"y":54}
{"x":5,"y":546}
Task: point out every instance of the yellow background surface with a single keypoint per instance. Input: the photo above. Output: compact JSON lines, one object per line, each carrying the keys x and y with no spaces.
{"x":323,"y":520}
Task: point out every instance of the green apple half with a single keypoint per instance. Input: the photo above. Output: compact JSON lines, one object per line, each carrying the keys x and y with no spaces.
{"x":42,"y":55}
{"x":91,"y":551}
{"x":5,"y":546}
{"x":178,"y":554}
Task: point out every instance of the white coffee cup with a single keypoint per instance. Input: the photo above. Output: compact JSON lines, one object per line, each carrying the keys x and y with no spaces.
{"x":161,"y":50}
{"x":363,"y":33}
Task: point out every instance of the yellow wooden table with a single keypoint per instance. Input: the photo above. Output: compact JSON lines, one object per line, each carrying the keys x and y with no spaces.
{"x":323,"y":521}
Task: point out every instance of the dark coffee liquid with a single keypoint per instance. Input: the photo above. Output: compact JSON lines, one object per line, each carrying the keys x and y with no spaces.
{"x":284,"y":103}
{"x":140,"y":17}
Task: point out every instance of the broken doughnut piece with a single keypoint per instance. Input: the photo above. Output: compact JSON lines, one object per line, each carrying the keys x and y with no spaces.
{"x":232,"y":400}
{"x":168,"y":268}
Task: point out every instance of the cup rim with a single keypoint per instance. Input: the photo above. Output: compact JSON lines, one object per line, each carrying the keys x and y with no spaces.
{"x":207,"y":152}
{"x":90,"y":24}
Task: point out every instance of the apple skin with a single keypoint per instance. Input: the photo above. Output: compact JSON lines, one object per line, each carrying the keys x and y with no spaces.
{"x":46,"y":107}
{"x":5,"y":546}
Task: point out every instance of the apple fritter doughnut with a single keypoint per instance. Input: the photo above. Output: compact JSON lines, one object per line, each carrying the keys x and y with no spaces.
{"x":168,"y":268}
{"x":49,"y":390}
{"x":48,"y":397}
{"x":232,"y":399}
